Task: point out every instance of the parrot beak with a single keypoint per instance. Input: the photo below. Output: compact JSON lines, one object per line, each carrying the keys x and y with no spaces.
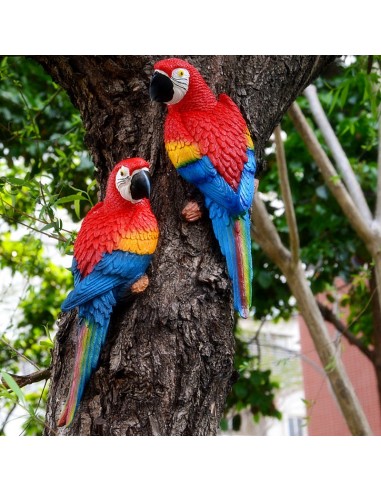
{"x":140,"y":185}
{"x":161,"y":87}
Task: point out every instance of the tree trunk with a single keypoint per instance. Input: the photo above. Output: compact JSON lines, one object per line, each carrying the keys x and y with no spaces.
{"x":167,"y":365}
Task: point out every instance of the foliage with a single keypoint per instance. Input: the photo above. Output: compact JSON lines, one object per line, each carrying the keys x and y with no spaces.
{"x":254,"y":389}
{"x":349,"y":97}
{"x":13,"y":395}
{"x":46,"y":177}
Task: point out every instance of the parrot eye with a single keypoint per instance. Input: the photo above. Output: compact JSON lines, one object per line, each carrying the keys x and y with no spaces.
{"x":180,"y":73}
{"x":180,"y":84}
{"x":123,"y":172}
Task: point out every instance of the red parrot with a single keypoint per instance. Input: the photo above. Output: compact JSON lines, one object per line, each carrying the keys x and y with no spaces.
{"x":111,"y":254}
{"x":208,"y":142}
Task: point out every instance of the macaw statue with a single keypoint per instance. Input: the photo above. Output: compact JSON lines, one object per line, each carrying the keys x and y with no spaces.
{"x":111,"y":254}
{"x":208,"y":142}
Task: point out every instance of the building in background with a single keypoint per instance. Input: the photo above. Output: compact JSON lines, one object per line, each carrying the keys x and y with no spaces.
{"x":324,"y":417}
{"x":305,"y":398}
{"x":278,"y":346}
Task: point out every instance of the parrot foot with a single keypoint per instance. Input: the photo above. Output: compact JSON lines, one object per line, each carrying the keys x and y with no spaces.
{"x":191,"y":212}
{"x":140,"y":285}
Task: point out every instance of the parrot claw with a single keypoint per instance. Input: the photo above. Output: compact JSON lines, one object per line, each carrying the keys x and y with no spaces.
{"x":191,"y":212}
{"x":140,"y":285}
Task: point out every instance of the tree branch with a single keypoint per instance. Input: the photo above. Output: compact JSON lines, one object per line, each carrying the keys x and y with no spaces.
{"x":378,"y":203}
{"x":52,"y":236}
{"x":338,"y":153}
{"x":268,"y":238}
{"x":266,"y":235}
{"x":286,"y":195}
{"x":370,"y":235}
{"x":21,"y":212}
{"x":329,"y":316}
{"x":3,"y":340}
{"x":5,"y":421}
{"x":35,"y":377}
{"x":331,"y":178}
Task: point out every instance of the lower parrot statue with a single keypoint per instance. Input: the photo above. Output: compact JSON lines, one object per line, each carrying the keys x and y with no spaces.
{"x":209,"y":144}
{"x":111,"y":254}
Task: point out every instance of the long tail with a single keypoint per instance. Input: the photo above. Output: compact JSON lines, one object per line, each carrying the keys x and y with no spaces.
{"x":233,"y":234}
{"x":89,"y":345}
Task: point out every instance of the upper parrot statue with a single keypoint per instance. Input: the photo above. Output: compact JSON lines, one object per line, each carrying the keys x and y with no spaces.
{"x":111,"y":254}
{"x":209,"y":144}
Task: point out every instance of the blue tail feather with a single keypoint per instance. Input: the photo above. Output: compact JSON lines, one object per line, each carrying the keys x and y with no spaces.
{"x":233,"y":234}
{"x":92,"y":332}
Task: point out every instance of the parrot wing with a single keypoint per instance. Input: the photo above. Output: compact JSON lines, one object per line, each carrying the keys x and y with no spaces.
{"x":113,"y":270}
{"x":225,"y":100}
{"x":205,"y":176}
{"x":214,"y":151}
{"x":230,"y":215}
{"x":76,"y":272}
{"x":221,"y":134}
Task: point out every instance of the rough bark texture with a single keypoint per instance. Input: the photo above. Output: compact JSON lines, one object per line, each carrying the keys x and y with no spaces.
{"x":167,"y":366}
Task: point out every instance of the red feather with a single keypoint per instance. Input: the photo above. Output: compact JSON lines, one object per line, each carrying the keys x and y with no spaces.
{"x":219,"y":133}
{"x":112,"y":221}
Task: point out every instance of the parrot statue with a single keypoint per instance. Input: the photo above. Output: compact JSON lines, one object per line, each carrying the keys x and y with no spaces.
{"x":112,"y":251}
{"x":208,"y":142}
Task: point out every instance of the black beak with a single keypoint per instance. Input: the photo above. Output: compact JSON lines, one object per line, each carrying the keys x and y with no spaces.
{"x":140,"y":185}
{"x":161,"y":88}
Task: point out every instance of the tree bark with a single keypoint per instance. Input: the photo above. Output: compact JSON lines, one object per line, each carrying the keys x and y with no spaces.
{"x":167,"y":365}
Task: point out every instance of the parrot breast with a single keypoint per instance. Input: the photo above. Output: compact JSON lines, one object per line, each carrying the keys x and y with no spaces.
{"x":134,"y":231}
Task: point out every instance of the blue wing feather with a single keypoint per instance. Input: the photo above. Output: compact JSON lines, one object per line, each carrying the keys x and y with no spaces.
{"x":112,"y":271}
{"x":229,"y":208}
{"x":75,"y":271}
{"x":204,"y":175}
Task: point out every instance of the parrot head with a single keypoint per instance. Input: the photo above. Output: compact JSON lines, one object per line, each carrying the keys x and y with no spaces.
{"x":129,"y":181}
{"x":176,"y":81}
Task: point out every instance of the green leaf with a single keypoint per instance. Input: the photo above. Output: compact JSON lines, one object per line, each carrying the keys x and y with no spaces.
{"x":31,"y":411}
{"x":47,"y":343}
{"x":70,"y":198}
{"x":264,"y":279}
{"x":4,"y":393}
{"x":224,"y":425}
{"x":18,"y":181}
{"x":344,"y":94}
{"x":91,"y":185}
{"x":335,"y":179}
{"x":47,"y":226}
{"x":334,"y":101}
{"x":77,"y":209}
{"x":13,"y":386}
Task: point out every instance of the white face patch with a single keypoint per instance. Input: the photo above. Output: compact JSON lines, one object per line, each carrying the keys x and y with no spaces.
{"x":180,"y":79}
{"x":123,"y":182}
